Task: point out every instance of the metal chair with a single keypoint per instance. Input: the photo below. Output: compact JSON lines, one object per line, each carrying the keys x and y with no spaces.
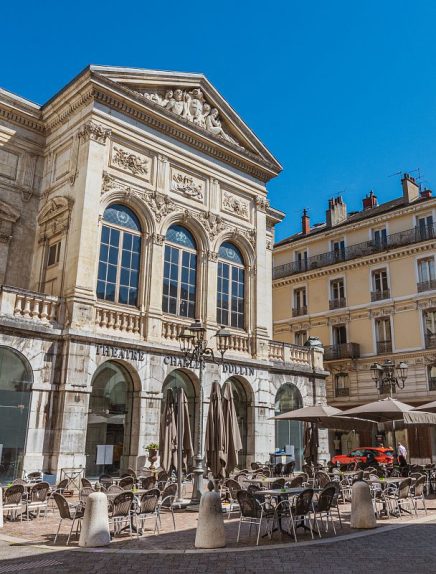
{"x":232,"y":487}
{"x":106,"y":480}
{"x":127,"y":483}
{"x":84,"y":493}
{"x":298,"y":481}
{"x":147,"y":482}
{"x":417,"y":493}
{"x":148,"y":509}
{"x":335,"y":502}
{"x":35,"y":476}
{"x":68,"y":512}
{"x":13,"y":500}
{"x":254,"y":512}
{"x":399,"y":497}
{"x":121,"y":511}
{"x":115,"y":489}
{"x":37,"y":499}
{"x":85,"y":483}
{"x":322,"y":507}
{"x":166,"y":503}
{"x":322,"y":479}
{"x":279,"y":483}
{"x":288,"y":469}
{"x":302,"y":510}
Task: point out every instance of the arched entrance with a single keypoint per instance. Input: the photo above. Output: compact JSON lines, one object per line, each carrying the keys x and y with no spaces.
{"x":177,"y":379}
{"x":289,"y":433}
{"x":109,"y":421}
{"x":241,"y":407}
{"x":15,"y":393}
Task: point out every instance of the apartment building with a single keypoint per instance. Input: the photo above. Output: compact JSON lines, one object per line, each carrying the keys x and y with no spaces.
{"x":365,"y":284}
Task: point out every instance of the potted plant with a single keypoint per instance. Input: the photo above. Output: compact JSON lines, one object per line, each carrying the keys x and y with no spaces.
{"x":152,"y":453}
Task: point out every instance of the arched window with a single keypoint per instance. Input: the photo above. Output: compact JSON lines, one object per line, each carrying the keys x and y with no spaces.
{"x":120,"y":249}
{"x":231,"y":286}
{"x":180,"y":272}
{"x":289,"y":434}
{"x":15,"y":394}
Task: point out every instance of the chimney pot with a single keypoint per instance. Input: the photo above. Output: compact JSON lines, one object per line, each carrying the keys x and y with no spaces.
{"x":305,"y":223}
{"x":369,"y":201}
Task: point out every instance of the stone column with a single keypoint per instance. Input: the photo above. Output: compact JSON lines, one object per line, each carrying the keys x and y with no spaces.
{"x":83,"y":239}
{"x":262,"y":288}
{"x":154,"y":313}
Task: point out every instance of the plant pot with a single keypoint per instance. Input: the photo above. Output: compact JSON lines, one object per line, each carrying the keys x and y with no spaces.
{"x":152,"y":457}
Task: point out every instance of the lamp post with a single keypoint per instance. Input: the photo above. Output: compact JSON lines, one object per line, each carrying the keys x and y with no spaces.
{"x":389,"y":375}
{"x":194,"y":346}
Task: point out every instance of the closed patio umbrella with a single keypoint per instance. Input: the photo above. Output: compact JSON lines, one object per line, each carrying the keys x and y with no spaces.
{"x":168,"y":434}
{"x":215,"y":434}
{"x":185,"y":429}
{"x":233,"y":442}
{"x":310,"y":442}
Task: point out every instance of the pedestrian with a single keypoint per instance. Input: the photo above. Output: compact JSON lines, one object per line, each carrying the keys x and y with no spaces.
{"x":402,"y":454}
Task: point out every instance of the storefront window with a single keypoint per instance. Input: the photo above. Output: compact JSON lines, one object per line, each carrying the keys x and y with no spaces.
{"x":15,"y":394}
{"x":109,"y":421}
{"x":289,"y":434}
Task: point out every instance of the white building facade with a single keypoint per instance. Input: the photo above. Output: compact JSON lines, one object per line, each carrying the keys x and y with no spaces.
{"x":131,"y":204}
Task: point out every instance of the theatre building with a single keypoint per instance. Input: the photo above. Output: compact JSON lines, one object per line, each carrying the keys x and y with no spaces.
{"x":133,"y":203}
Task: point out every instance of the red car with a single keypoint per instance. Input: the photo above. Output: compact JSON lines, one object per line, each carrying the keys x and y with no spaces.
{"x":366,"y":454}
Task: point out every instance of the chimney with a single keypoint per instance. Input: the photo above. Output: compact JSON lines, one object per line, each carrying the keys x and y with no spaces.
{"x":425,"y":193}
{"x":305,"y":223}
{"x":369,"y":201}
{"x":337,"y":212}
{"x":410,"y":188}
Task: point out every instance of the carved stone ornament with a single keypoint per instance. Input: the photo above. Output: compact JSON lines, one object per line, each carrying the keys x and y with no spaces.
{"x":212,"y":256}
{"x":269,"y":244}
{"x":136,"y":164}
{"x":158,"y":239}
{"x":161,"y":205}
{"x":213,"y":223}
{"x":262,"y":203}
{"x":94,"y":131}
{"x":187,"y":185}
{"x":235,"y":205}
{"x":192,"y":106}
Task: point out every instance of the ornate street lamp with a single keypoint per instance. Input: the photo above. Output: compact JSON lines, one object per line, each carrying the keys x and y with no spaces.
{"x":194,"y":346}
{"x":389,"y":375}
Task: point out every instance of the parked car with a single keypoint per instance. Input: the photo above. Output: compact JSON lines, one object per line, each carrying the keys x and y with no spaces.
{"x":366,"y":454}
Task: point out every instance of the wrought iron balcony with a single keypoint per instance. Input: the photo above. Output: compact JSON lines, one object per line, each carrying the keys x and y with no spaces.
{"x":337,"y":303}
{"x":430,"y":341}
{"x":379,"y":295}
{"x":432,"y":384}
{"x":384,"y":347}
{"x":343,"y":392}
{"x":343,"y":351}
{"x":426,"y":285}
{"x":407,"y":237}
{"x":298,"y":311}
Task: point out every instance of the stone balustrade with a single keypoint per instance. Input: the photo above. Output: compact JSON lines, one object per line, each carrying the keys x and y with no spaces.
{"x":171,"y":330}
{"x":279,"y":351}
{"x":30,"y":305}
{"x":117,"y":320}
{"x":239,"y":343}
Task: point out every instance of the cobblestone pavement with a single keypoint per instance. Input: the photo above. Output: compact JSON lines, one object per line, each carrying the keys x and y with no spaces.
{"x":405,"y":549}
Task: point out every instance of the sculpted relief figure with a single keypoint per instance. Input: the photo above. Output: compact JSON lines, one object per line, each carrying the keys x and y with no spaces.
{"x":192,"y":106}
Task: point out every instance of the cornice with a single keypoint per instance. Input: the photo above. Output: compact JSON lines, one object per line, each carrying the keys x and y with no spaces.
{"x":354,"y":264}
{"x":21,"y":118}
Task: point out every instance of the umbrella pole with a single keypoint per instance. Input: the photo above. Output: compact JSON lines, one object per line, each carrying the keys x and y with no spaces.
{"x":179,"y":444}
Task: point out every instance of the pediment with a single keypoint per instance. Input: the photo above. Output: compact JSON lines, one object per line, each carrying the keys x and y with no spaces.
{"x":53,"y":209}
{"x":191,"y":100}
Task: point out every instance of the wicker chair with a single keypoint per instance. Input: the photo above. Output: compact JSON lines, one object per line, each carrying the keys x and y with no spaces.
{"x":115,"y":489}
{"x":398,"y":498}
{"x":147,"y":482}
{"x":67,"y":512}
{"x":301,"y":511}
{"x":298,"y":481}
{"x":279,"y":483}
{"x":19,"y":481}
{"x":323,"y":507}
{"x":417,"y":493}
{"x":38,"y":499}
{"x":35,"y":476}
{"x":127,"y":483}
{"x":278,"y":469}
{"x":120,"y":513}
{"x":335,"y":502}
{"x":148,"y":509}
{"x":106,"y":480}
{"x":85,"y":483}
{"x":13,"y":501}
{"x":167,"y":500}
{"x":288,"y":469}
{"x":254,"y":512}
{"x":85,"y":492}
{"x":321,"y":479}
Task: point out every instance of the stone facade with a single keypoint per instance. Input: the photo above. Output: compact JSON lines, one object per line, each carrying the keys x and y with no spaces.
{"x":109,"y":138}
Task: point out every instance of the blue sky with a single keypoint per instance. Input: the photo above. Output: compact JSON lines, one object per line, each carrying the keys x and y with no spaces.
{"x":343,"y":93}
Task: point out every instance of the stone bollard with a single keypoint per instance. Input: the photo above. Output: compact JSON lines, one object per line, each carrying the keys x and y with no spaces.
{"x":1,"y":507}
{"x":210,"y":527}
{"x":95,"y":523}
{"x":362,"y":510}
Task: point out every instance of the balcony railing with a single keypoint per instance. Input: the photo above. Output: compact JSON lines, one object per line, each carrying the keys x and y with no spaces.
{"x":426,"y":285}
{"x":343,"y":351}
{"x":31,"y":306}
{"x":343,"y":392}
{"x":298,"y":311}
{"x":432,"y":384}
{"x":430,"y":341}
{"x":337,"y":303}
{"x":288,"y":353}
{"x":379,"y":295}
{"x":129,"y":322}
{"x":414,"y":235}
{"x":384,"y":347}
